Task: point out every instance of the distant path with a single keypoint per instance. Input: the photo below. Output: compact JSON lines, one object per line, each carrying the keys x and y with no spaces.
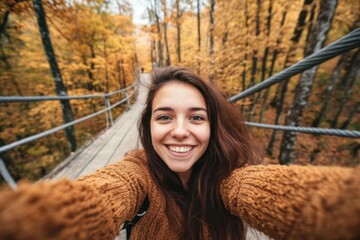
{"x":110,"y":146}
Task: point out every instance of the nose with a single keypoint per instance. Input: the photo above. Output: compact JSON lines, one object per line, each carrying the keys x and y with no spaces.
{"x":180,"y":130}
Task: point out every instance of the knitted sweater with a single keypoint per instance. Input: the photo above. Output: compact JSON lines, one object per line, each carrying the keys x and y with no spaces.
{"x":284,"y":202}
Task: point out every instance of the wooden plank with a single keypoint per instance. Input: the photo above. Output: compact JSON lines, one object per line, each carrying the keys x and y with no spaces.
{"x":86,"y":155}
{"x":110,"y":146}
{"x":101,"y":157}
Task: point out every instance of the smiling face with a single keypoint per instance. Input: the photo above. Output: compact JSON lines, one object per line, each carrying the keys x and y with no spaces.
{"x":180,"y":129}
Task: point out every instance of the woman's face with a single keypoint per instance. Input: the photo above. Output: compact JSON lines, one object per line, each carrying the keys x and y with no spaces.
{"x":180,"y":128}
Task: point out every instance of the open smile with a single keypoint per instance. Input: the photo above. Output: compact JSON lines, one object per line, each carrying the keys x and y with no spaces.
{"x":180,"y":149}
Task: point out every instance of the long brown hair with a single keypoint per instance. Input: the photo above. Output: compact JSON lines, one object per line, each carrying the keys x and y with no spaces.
{"x":229,"y":147}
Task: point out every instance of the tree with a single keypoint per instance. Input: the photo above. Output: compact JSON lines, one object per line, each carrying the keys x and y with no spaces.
{"x":255,"y":61}
{"x":246,"y":45}
{"x":154,"y":11}
{"x":124,"y":7}
{"x":303,"y":89}
{"x":167,"y":61}
{"x":351,"y":115}
{"x":330,"y":89}
{"x":179,"y":14}
{"x":9,"y":6}
{"x":289,"y":59}
{"x":60,"y":87}
{"x":350,"y":78}
{"x":211,"y":46}
{"x":275,"y":54}
{"x":198,"y":34}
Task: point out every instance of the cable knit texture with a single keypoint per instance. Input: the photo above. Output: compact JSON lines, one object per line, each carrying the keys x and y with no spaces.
{"x":284,"y":202}
{"x":296,"y":202}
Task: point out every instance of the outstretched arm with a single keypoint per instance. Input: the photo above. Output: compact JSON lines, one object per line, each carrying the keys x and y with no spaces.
{"x":92,"y":207}
{"x":296,"y":202}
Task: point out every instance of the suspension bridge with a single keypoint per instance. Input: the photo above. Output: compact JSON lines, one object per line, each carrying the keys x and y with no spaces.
{"x":110,"y":146}
{"x":121,"y":135}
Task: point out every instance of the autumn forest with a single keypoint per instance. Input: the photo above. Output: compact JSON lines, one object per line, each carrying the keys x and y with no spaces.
{"x":94,"y":47}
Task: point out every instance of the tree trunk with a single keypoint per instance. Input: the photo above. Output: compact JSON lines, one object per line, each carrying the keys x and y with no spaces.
{"x":10,"y":6}
{"x":153,"y":53}
{"x":278,"y":101}
{"x":107,"y":89}
{"x":8,"y":68}
{"x":300,"y":25}
{"x":89,"y":83}
{"x":211,"y":49}
{"x":50,"y":54}
{"x":281,"y":89}
{"x":123,"y":73}
{"x":255,"y":50}
{"x":329,"y":90}
{"x":160,"y":48}
{"x":167,"y":61}
{"x":355,"y":110}
{"x":303,"y":89}
{"x":255,"y":97}
{"x":178,"y":29}
{"x":351,"y":77}
{"x":92,"y":66}
{"x":118,"y":72}
{"x":4,"y":22}
{"x":244,"y":65}
{"x":273,"y":60}
{"x":310,"y":24}
{"x":199,"y":34}
{"x":266,"y":51}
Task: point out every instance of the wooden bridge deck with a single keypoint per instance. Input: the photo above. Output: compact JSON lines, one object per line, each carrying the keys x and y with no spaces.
{"x":110,"y":146}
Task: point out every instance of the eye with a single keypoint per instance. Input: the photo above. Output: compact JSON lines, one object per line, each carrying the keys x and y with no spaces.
{"x":197,"y":118}
{"x":163,"y":118}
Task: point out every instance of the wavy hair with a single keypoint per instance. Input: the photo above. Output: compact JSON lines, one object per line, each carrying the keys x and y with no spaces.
{"x":230,"y":147}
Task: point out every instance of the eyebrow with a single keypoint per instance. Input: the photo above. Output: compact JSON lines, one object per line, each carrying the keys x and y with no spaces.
{"x":192,"y":109}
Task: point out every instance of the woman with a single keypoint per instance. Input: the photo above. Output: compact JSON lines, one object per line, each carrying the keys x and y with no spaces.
{"x":193,"y":138}
{"x":194,"y":171}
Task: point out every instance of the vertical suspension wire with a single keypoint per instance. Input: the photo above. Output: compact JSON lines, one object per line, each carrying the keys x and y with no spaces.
{"x":106,"y":113}
{"x":110,"y":112}
{"x":7,"y":176}
{"x":127,"y":100}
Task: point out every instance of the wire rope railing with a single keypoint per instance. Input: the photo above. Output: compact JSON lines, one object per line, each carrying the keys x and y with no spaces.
{"x":342,"y":45}
{"x":52,"y":98}
{"x":312,"y":130}
{"x":4,"y":171}
{"x":61,"y":127}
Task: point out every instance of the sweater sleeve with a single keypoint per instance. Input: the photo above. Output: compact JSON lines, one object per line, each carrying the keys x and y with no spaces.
{"x":92,"y":207}
{"x":296,"y":202}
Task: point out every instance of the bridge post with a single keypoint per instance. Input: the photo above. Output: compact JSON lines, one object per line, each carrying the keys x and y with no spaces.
{"x":107,"y":100}
{"x":106,"y":113}
{"x":127,"y":101}
{"x":7,"y":176}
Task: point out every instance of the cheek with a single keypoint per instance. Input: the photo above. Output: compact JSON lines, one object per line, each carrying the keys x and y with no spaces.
{"x":157,"y":132}
{"x":205,"y":135}
{"x":153,"y":132}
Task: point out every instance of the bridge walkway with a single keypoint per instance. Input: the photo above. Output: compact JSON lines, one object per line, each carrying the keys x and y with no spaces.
{"x":110,"y":145}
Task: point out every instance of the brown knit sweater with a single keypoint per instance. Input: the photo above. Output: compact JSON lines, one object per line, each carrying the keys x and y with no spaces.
{"x":285,"y":202}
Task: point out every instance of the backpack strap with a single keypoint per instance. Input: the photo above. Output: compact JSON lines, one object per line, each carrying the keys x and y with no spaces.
{"x":128,"y":225}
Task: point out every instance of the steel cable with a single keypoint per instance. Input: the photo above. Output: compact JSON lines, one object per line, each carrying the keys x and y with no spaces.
{"x":52,"y":98}
{"x":316,"y":131}
{"x":344,"y":44}
{"x":53,"y":130}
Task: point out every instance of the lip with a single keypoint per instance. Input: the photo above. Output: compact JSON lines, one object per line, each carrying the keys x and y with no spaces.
{"x":180,"y":153}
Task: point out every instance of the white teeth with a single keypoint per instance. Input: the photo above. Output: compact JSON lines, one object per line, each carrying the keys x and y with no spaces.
{"x":180,"y":149}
